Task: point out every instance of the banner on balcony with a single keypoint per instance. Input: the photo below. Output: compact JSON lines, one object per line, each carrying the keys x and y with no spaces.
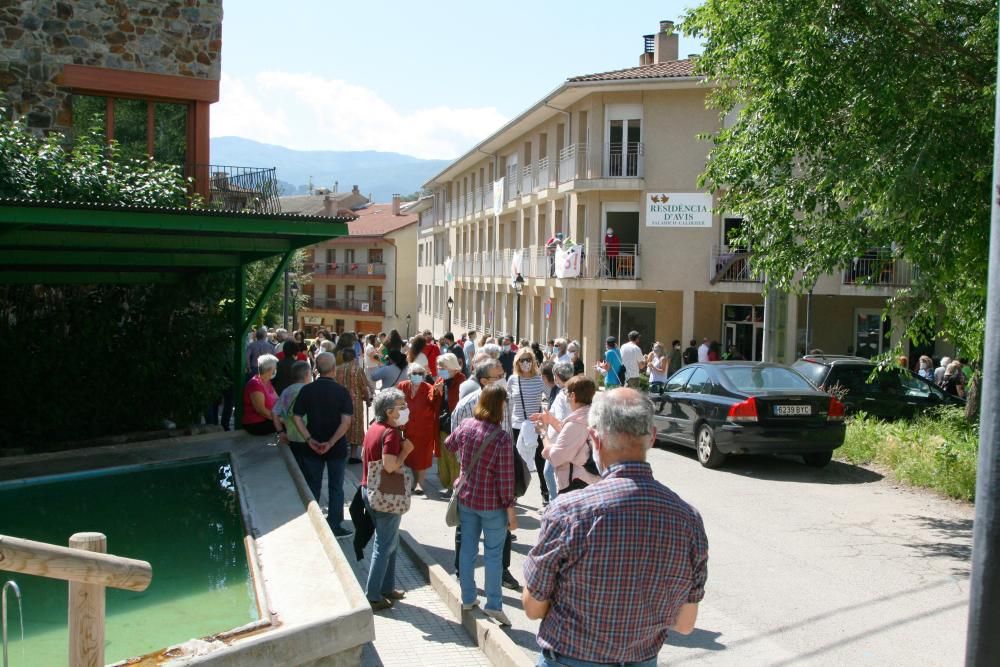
{"x":312,"y":319}
{"x":515,"y":264}
{"x":497,"y":197}
{"x":678,"y":209}
{"x":449,"y":275}
{"x":568,"y":261}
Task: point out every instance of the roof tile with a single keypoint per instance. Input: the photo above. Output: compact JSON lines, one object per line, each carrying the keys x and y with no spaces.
{"x":668,"y":70}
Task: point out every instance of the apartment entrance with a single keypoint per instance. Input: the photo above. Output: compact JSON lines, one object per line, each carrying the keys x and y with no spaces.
{"x":620,"y":317}
{"x":623,"y":219}
{"x":743,"y":330}
{"x":871,"y":332}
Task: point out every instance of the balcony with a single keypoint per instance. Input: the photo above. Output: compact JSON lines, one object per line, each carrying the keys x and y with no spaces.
{"x":527,"y":180}
{"x":877,"y":268}
{"x":573,"y":163}
{"x":624,"y":160}
{"x":239,"y":188}
{"x":511,"y":183}
{"x":542,"y":178}
{"x":349,"y":306}
{"x":347,"y":270}
{"x":731,"y":265}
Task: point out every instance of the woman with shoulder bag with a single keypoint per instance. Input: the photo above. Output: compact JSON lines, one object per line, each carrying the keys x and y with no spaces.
{"x":524,"y":391}
{"x":384,"y":443}
{"x":570,"y":453}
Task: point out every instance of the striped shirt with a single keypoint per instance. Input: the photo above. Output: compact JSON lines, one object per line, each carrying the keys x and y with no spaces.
{"x":490,"y":485}
{"x":532,"y":390}
{"x":617,"y":561}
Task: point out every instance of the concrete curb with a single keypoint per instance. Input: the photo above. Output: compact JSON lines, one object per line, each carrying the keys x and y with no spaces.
{"x":495,"y":644}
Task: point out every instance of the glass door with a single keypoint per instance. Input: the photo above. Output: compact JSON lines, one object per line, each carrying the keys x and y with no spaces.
{"x":871,"y":332}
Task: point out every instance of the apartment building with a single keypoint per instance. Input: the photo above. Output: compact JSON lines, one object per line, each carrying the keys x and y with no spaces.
{"x":619,"y":151}
{"x":363,"y":282}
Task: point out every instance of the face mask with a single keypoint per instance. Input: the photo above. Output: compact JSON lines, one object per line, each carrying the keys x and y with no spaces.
{"x":403,"y":418}
{"x":416,"y":379}
{"x":444,"y":373}
{"x":525,"y":366}
{"x":500,"y":382}
{"x":677,"y":347}
{"x":506,"y":348}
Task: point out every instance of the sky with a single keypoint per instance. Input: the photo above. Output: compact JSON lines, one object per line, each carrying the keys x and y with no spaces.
{"x":427,"y":79}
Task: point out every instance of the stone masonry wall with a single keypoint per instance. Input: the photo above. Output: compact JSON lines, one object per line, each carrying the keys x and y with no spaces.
{"x":37,"y":37}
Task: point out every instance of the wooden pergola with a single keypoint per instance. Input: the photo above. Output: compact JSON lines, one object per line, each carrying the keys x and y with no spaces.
{"x":55,"y":243}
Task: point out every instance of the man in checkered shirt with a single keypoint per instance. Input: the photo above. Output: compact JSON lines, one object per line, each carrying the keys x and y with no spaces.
{"x":620,"y":563}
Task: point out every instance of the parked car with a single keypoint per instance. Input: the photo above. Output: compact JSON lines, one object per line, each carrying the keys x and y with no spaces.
{"x":748,"y":407}
{"x":894,"y":392}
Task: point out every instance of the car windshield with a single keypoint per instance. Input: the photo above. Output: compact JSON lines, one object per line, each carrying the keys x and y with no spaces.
{"x":811,"y":371}
{"x":758,"y":378}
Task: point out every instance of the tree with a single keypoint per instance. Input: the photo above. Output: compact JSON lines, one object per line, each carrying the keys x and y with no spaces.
{"x":859,"y":124}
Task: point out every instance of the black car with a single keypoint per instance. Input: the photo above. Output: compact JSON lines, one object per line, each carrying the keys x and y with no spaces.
{"x":893,"y":392}
{"x":748,"y":407}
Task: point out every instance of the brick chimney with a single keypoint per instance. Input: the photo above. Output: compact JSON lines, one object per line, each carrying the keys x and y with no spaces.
{"x":355,"y":190}
{"x":395,"y":204}
{"x":328,"y":206}
{"x":666,"y":45}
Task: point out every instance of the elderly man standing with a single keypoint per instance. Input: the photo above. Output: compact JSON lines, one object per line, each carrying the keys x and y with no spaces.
{"x":258,"y":348}
{"x":323,"y":412}
{"x":628,"y":525}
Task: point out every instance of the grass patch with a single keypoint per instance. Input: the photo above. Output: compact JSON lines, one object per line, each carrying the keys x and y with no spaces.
{"x":937,"y":450}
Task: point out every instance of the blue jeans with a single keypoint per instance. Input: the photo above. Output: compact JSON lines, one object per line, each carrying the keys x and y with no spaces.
{"x":493,"y":526}
{"x":550,"y":480}
{"x":312,"y":465}
{"x":552,"y":659}
{"x":382,"y":573}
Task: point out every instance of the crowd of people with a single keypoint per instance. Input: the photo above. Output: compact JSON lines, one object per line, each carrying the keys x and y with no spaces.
{"x":489,"y":411}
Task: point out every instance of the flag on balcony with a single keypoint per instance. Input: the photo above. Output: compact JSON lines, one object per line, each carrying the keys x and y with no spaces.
{"x":515,"y":264}
{"x":568,"y":261}
{"x":448,"y":275}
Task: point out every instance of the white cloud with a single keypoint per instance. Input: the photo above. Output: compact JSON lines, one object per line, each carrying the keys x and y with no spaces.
{"x":309,"y":112}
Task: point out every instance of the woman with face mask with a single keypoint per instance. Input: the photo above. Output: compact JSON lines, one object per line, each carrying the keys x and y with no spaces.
{"x":449,"y":378}
{"x":384,"y":441}
{"x":422,"y":427}
{"x":657,"y":362}
{"x":926,"y":370}
{"x":525,"y":390}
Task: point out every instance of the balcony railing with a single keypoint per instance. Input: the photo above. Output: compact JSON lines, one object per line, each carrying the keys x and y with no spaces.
{"x":349,"y":305}
{"x":542,"y":178}
{"x":878,"y":268}
{"x":345,"y":269}
{"x":511,"y":184}
{"x":573,"y":162}
{"x":469,"y":199}
{"x":624,"y":160}
{"x":527,"y":180}
{"x":731,"y":265}
{"x":239,"y":188}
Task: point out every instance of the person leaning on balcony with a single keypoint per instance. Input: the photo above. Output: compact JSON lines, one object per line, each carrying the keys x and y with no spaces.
{"x":259,"y":397}
{"x":384,"y":442}
{"x":612,"y":247}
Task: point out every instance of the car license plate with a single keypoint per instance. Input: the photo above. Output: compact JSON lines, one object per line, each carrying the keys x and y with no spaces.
{"x":792,"y":410}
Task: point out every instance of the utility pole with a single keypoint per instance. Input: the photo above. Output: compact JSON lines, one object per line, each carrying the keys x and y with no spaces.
{"x":982,"y":646}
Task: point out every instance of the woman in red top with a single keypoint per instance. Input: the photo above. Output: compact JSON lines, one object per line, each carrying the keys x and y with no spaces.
{"x":450,"y":378}
{"x":259,"y":397}
{"x":422,"y":428}
{"x":384,"y":442}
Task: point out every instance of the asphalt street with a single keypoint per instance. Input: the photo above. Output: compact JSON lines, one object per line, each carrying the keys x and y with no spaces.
{"x":835,"y":566}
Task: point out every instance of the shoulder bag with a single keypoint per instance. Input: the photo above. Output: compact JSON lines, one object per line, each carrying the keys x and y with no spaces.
{"x":444,"y":418}
{"x":389,"y":491}
{"x":451,"y":514}
{"x":522,"y":474}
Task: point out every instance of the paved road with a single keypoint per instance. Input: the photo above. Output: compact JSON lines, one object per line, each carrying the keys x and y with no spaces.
{"x":807,"y":567}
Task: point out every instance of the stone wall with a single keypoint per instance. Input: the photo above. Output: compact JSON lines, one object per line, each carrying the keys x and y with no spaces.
{"x":37,"y":37}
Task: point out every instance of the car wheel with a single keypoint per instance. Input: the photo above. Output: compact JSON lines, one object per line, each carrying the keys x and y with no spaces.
{"x":708,"y":454}
{"x":817,"y":459}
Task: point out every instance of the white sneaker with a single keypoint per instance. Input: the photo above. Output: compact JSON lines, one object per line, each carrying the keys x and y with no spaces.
{"x":498,"y":616}
{"x":471,"y":605}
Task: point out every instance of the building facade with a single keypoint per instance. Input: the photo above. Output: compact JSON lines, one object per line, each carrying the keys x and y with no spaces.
{"x":620,"y":151}
{"x":143,"y":72}
{"x":363,"y":282}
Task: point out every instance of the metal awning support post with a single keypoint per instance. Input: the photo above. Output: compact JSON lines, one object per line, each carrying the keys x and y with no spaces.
{"x":268,"y":292}
{"x":983,"y":641}
{"x":239,"y":342}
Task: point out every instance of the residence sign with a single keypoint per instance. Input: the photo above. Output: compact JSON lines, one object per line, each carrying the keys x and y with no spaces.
{"x":678,"y":209}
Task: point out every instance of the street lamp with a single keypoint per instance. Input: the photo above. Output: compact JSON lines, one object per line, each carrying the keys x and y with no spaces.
{"x":451,"y":306}
{"x":518,"y":285}
{"x":407,"y":326}
{"x":293,"y":289}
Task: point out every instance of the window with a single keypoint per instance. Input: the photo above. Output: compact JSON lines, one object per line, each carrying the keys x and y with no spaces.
{"x":678,"y":380}
{"x":375,"y":255}
{"x":699,"y":382}
{"x":756,"y":378}
{"x":141,"y":127}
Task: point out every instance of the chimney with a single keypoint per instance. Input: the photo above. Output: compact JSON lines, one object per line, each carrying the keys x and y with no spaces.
{"x":395,"y":204}
{"x":355,"y":190}
{"x":646,"y":57}
{"x":666,"y":43}
{"x":328,"y":206}
{"x":336,"y":184}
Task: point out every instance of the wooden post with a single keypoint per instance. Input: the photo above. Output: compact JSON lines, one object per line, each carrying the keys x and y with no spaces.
{"x":86,"y":610}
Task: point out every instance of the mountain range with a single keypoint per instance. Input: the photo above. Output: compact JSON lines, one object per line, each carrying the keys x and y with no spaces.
{"x":375,"y":172}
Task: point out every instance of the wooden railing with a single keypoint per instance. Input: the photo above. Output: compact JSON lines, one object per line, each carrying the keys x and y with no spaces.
{"x":89,"y":570}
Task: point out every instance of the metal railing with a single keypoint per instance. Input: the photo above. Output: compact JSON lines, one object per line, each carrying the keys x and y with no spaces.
{"x":878,"y":268}
{"x":624,"y":160}
{"x":239,"y":188}
{"x":488,"y":197}
{"x":511,"y":183}
{"x":469,"y":199}
{"x":620,"y":264}
{"x":360,"y":269}
{"x":527,"y":180}
{"x":731,"y":265}
{"x":349,"y":305}
{"x":573,"y":162}
{"x":542,"y":174}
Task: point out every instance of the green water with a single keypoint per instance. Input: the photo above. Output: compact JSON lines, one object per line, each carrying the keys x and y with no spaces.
{"x":182,"y":518}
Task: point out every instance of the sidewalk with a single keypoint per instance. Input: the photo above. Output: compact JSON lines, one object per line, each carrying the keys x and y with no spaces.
{"x":419,"y":630}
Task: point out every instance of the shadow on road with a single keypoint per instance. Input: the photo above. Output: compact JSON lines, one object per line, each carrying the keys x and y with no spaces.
{"x":952,"y":539}
{"x":784,"y":468}
{"x":703,"y":639}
